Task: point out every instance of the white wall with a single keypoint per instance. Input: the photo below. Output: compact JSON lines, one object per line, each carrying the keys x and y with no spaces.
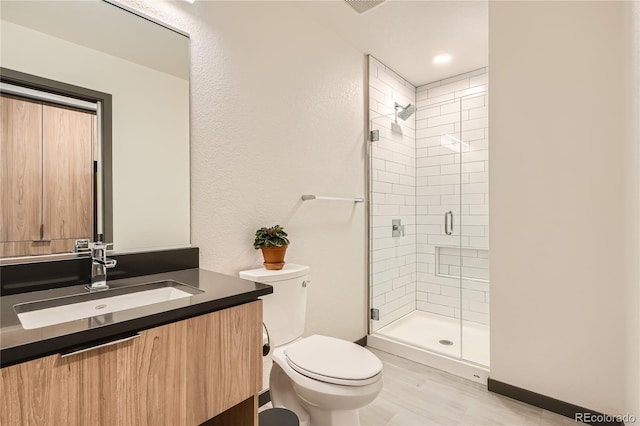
{"x":564,"y":202}
{"x":632,"y":249}
{"x":393,"y":195}
{"x":277,"y":111}
{"x":150,"y":132}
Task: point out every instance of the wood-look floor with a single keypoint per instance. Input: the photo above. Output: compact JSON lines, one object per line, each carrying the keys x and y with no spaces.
{"x":417,"y":395}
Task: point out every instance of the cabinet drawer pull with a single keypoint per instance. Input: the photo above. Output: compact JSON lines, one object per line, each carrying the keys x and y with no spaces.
{"x":103,"y":345}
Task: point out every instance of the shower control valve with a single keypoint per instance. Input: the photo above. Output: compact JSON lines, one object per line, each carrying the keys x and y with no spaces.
{"x":397,"y":228}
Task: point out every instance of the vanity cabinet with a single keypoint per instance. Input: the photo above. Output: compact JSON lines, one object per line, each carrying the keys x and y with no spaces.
{"x":202,"y":369}
{"x":46,"y":177}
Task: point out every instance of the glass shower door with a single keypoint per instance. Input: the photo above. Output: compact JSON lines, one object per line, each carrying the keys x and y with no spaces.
{"x":429,"y":228}
{"x":474,"y":227}
{"x":438,"y":184}
{"x":415,"y":178}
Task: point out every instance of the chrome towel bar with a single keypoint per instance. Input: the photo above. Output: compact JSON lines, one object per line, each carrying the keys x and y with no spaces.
{"x":320,"y":197}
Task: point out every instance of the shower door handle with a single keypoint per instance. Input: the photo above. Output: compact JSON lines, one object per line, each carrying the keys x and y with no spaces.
{"x":448,"y":223}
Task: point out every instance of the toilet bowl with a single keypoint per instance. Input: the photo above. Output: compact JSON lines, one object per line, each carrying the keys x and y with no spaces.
{"x":324,"y":380}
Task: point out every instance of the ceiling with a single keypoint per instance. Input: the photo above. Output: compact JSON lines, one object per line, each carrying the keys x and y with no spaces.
{"x":406,"y":35}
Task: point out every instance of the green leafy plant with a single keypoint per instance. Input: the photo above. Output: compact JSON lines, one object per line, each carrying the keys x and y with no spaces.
{"x":270,"y":237}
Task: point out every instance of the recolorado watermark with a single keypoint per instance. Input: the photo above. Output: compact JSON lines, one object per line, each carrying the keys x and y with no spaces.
{"x":604,"y":418}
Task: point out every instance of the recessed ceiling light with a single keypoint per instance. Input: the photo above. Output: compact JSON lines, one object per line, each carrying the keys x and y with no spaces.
{"x":441,"y":59}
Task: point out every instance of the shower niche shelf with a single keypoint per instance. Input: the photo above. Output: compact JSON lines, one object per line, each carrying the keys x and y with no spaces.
{"x":468,"y":263}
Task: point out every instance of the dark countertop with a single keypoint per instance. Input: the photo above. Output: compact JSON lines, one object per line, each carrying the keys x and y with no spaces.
{"x":18,"y":344}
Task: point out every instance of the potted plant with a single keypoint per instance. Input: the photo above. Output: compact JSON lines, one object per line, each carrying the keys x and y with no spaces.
{"x":273,"y":242}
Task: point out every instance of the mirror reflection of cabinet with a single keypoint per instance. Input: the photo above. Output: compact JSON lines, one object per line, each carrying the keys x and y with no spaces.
{"x":46,"y":181}
{"x":137,"y":70}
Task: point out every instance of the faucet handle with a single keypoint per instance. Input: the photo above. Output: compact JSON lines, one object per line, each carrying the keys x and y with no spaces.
{"x":110,"y":263}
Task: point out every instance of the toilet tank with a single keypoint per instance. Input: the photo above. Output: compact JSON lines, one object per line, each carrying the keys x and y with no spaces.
{"x":284,"y":311}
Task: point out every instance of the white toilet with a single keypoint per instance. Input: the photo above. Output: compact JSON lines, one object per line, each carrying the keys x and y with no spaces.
{"x":322,"y":379}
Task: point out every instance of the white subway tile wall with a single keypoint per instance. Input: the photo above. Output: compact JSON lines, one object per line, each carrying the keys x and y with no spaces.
{"x":393,"y":196}
{"x":452,"y":127}
{"x":416,"y":176}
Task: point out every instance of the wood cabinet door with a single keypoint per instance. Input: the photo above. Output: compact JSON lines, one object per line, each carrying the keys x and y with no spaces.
{"x":45,"y":391}
{"x":68,"y":172}
{"x":224,"y":360}
{"x":20,"y":169}
{"x":150,"y":379}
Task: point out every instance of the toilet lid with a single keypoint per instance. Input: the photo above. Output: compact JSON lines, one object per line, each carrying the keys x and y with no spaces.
{"x":333,"y":360}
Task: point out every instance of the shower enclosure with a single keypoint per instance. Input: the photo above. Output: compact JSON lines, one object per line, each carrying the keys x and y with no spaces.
{"x":429,"y":223}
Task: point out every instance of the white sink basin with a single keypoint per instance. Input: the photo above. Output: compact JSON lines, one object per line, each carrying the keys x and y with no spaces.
{"x":43,"y":313}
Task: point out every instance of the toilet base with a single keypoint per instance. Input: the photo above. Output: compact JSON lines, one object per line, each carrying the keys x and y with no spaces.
{"x":334,"y":418}
{"x":284,"y":396}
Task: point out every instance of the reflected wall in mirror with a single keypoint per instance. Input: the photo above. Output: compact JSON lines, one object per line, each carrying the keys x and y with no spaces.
{"x":144,"y":66}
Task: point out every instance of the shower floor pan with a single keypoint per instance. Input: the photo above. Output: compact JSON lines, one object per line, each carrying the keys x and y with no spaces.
{"x":424,"y":330}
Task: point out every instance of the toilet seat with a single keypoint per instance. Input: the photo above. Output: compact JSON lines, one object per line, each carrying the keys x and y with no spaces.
{"x":333,"y":361}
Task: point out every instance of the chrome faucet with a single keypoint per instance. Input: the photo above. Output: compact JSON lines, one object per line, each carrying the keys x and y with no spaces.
{"x":99,"y":265}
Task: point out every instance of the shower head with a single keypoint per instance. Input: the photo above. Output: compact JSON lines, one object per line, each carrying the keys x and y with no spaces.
{"x":405,"y":112}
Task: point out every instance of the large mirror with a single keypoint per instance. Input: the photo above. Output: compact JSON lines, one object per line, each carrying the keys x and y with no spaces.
{"x":141,"y":195}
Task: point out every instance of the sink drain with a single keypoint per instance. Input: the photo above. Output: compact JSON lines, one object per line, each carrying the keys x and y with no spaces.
{"x":101,"y":306}
{"x":446,"y":342}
